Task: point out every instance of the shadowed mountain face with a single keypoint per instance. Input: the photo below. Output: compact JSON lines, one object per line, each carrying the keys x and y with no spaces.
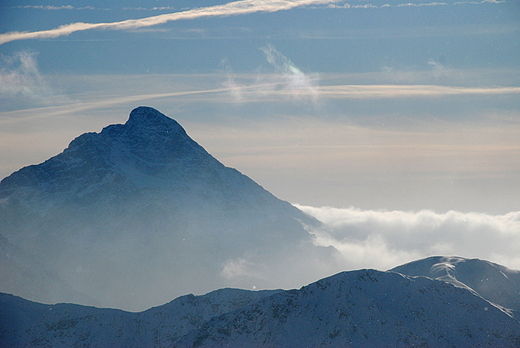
{"x":141,"y":211}
{"x":493,"y":282}
{"x":364,"y":308}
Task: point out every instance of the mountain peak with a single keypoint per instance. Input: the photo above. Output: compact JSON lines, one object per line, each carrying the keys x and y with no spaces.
{"x":153,"y":136}
{"x":148,"y":144}
{"x":144,"y":196}
{"x":149,"y":141}
{"x":144,"y":117}
{"x":493,"y":282}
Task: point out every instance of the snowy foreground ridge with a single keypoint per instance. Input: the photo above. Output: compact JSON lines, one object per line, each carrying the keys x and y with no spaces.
{"x":365,"y":308}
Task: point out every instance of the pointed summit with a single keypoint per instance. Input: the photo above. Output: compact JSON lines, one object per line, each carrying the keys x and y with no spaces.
{"x":147,"y":117}
{"x":148,"y":144}
{"x":141,"y":210}
{"x":151,"y":137}
{"x":145,"y":121}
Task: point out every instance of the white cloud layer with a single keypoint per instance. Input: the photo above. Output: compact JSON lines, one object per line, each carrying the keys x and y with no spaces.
{"x":384,"y":239}
{"x":230,"y":9}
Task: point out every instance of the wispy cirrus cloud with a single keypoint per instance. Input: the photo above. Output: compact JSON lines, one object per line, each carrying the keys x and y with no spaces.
{"x":155,"y":8}
{"x":287,"y":81}
{"x":19,"y":74}
{"x":70,"y":7}
{"x":413,"y":4}
{"x":230,"y":9}
{"x":48,"y":7}
{"x":22,"y":83}
{"x":293,"y":79}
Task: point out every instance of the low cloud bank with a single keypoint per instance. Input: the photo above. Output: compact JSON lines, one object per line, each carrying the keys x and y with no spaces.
{"x":384,"y":239}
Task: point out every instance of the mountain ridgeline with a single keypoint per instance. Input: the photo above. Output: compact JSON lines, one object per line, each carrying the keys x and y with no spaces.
{"x":140,"y":213}
{"x":364,"y":308}
{"x":493,"y":282}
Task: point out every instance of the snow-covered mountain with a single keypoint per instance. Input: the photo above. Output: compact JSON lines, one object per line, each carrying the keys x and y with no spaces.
{"x":493,"y":282}
{"x":28,"y":324}
{"x":365,"y":308}
{"x":140,"y":213}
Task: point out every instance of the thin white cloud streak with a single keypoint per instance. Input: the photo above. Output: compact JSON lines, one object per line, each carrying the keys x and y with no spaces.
{"x":283,"y":86}
{"x":301,"y":86}
{"x":160,"y":8}
{"x":54,"y":8}
{"x":229,"y":9}
{"x":349,"y":6}
{"x":384,"y":239}
{"x":272,"y":87}
{"x":48,"y":7}
{"x":479,"y":2}
{"x":411,"y":4}
{"x":101,"y":103}
{"x":398,"y":91}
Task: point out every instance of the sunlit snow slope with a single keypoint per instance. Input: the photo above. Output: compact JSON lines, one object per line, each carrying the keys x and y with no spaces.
{"x":365,"y":308}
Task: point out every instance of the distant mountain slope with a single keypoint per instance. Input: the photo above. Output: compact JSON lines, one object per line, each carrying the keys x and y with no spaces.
{"x":141,"y":211}
{"x":21,"y":273}
{"x":364,"y":308}
{"x":28,"y":324}
{"x":493,"y":282}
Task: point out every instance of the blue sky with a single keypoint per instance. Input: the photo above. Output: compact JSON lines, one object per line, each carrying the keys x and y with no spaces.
{"x":379,"y":105}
